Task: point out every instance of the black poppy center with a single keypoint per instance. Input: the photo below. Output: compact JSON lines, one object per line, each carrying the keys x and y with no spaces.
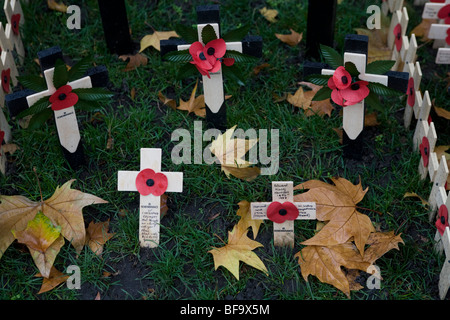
{"x":425,"y":151}
{"x":442,"y":219}
{"x":282,"y":212}
{"x":399,"y":35}
{"x":150,"y":182}
{"x":62,"y":96}
{"x":211,"y":51}
{"x":344,"y":80}
{"x":5,"y":79}
{"x":14,"y":24}
{"x":202,"y":56}
{"x":355,"y":86}
{"x":411,"y":91}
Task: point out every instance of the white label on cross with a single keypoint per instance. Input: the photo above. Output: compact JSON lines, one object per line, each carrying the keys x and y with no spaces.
{"x":283,"y":191}
{"x":213,"y":86}
{"x":443,"y":56}
{"x":149,"y":205}
{"x":65,"y":119}
{"x":431,"y":9}
{"x":353,"y":116}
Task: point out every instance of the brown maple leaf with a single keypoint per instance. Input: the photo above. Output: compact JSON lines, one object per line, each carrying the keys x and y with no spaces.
{"x":97,"y":235}
{"x":303,"y":99}
{"x":154,"y":39}
{"x":55,"y":279}
{"x":336,"y":204}
{"x":380,"y":243}
{"x":246,"y":218}
{"x":291,"y":39}
{"x":134,"y":61}
{"x":194,"y":104}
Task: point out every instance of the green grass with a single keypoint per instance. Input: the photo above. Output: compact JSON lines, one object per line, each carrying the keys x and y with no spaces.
{"x":201,"y":216}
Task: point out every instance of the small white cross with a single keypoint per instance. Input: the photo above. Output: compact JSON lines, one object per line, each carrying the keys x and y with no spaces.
{"x":353,"y":115}
{"x":282,"y":192}
{"x":400,"y":17}
{"x":213,"y":86}
{"x":13,"y":9}
{"x":7,"y":63}
{"x":65,"y":119}
{"x":415,"y":73}
{"x":149,"y":207}
{"x":440,"y":178}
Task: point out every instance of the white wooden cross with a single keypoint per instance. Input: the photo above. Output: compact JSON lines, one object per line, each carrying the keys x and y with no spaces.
{"x":213,"y":86}
{"x":353,"y":115}
{"x":426,"y":134}
{"x":438,"y":31}
{"x":400,"y":17}
{"x":438,"y":187}
{"x":283,"y":191}
{"x":391,"y":6}
{"x":14,"y":14}
{"x":65,"y":119}
{"x":7,"y":65}
{"x":149,"y":207}
{"x":415,"y":76}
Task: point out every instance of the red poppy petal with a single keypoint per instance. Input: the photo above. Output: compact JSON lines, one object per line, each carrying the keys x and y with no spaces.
{"x":337,"y":97}
{"x":6,"y":80}
{"x":292,"y":210}
{"x":342,"y":78}
{"x":447,"y":40}
{"x":425,"y":150}
{"x":331,"y":83}
{"x":273,"y":212}
{"x":219,"y":47}
{"x":160,"y":185}
{"x":202,"y":71}
{"x":411,"y":93}
{"x":398,"y":37}
{"x":444,"y":12}
{"x":442,"y":221}
{"x":70,"y":100}
{"x":216,"y":67}
{"x":141,"y":181}
{"x":228,"y":61}
{"x":66,"y":89}
{"x":15,"y":22}
{"x":2,"y":136}
{"x":195,"y":47}
{"x":357,"y":92}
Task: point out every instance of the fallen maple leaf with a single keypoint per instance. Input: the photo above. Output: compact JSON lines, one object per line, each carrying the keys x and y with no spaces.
{"x":44,"y":241}
{"x":441,"y":112}
{"x":325,"y":263}
{"x":422,"y":29}
{"x":380,"y":243}
{"x":167,"y":101}
{"x":63,"y":208}
{"x":303,"y":99}
{"x":269,"y":14}
{"x":230,"y":153}
{"x":52,"y":281}
{"x":97,"y":235}
{"x":135,"y":60}
{"x":415,"y":195}
{"x":337,"y":205}
{"x":194,"y":104}
{"x":153,"y":40}
{"x":291,"y":39}
{"x":239,"y":248}
{"x":53,"y":5}
{"x":246,"y":218}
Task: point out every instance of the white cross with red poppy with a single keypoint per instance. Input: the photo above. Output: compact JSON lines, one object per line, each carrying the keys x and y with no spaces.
{"x":438,"y":188}
{"x":442,"y":240}
{"x":414,"y":96}
{"x":8,"y":74}
{"x":151,"y":183}
{"x":397,"y":39}
{"x":16,"y":19}
{"x":212,"y":79}
{"x":283,"y":211}
{"x":353,"y":112}
{"x":62,"y":102}
{"x":439,"y":31}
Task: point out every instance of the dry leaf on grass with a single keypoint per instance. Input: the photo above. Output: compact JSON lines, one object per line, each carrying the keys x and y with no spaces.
{"x":153,"y":40}
{"x":167,"y":101}
{"x":422,"y":29}
{"x":415,"y":195}
{"x":246,"y":218}
{"x":269,"y":14}
{"x":303,"y":99}
{"x":441,"y":151}
{"x":97,"y":235}
{"x":194,"y":104}
{"x":441,"y":112}
{"x":55,"y":279}
{"x":239,"y":248}
{"x":134,"y":61}
{"x":57,"y":6}
{"x":291,"y":39}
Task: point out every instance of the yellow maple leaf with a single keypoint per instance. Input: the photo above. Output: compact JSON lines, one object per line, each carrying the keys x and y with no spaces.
{"x":239,"y":248}
{"x":153,"y":40}
{"x":291,"y":39}
{"x":194,"y":104}
{"x":269,"y":14}
{"x":246,"y":218}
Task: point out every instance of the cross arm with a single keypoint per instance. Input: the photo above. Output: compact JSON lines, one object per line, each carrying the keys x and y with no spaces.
{"x":48,"y":57}
{"x":126,"y":181}
{"x":398,"y":80}
{"x":17,"y":101}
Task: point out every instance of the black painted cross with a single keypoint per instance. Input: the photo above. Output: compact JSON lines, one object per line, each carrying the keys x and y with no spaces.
{"x":356,"y":50}
{"x":213,"y":86}
{"x":65,"y":119}
{"x":115,"y":26}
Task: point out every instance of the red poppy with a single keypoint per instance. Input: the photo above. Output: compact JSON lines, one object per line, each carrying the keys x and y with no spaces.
{"x":341,"y":79}
{"x":2,"y":136}
{"x":425,"y":151}
{"x":398,"y":37}
{"x":442,"y":221}
{"x":410,"y":92}
{"x":444,"y":13}
{"x":15,"y":21}
{"x":447,"y":40}
{"x":355,"y":93}
{"x":6,"y":76}
{"x":63,"y":98}
{"x":280,"y":212}
{"x":149,"y":182}
{"x":209,"y":58}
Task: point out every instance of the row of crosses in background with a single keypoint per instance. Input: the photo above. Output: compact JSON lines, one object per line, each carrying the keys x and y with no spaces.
{"x":440,"y":31}
{"x":11,"y":46}
{"x":65,"y":119}
{"x":213,"y":88}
